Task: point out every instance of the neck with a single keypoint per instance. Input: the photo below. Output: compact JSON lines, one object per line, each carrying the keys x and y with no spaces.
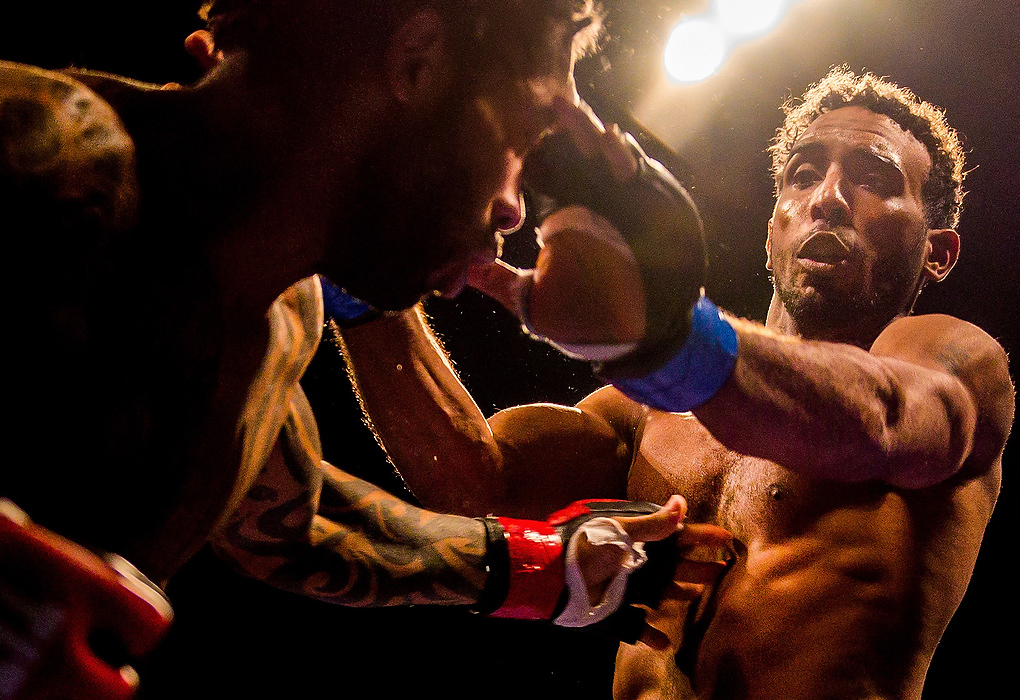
{"x":861,"y":333}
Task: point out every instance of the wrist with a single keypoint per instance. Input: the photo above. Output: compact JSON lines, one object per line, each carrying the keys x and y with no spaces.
{"x":524,"y":563}
{"x":696,"y":371}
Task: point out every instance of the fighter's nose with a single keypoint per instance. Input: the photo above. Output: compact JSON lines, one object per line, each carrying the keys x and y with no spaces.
{"x":508,"y":213}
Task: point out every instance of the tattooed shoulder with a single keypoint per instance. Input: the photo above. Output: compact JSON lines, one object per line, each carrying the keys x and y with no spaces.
{"x":61,"y":144}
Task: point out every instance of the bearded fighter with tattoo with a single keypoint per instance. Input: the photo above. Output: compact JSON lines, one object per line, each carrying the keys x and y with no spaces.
{"x":171,"y":241}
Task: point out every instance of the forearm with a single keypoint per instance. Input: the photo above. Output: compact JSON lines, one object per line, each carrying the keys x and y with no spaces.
{"x":830,"y":410}
{"x":364,"y":547}
{"x":310,"y":528}
{"x":426,"y":420}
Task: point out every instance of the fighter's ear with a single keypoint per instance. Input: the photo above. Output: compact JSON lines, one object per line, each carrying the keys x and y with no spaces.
{"x":943,"y":251}
{"x":201,"y":47}
{"x":768,"y":248}
{"x":416,"y":59}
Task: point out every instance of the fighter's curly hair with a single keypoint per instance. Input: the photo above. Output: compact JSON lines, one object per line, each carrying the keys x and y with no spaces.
{"x":942,"y":193}
{"x":238,"y":23}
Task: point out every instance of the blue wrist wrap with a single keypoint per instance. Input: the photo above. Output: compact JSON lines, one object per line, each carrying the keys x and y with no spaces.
{"x":339,"y":305}
{"x":696,"y":372}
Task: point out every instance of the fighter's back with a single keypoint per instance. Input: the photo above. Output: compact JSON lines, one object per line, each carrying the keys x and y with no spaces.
{"x":838,"y":590}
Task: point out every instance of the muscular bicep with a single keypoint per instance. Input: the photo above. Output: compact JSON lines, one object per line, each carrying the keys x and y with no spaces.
{"x":931,"y":397}
{"x":553,"y":455}
{"x":953,"y":400}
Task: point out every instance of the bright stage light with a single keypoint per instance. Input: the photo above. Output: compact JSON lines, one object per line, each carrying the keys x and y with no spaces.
{"x":694,"y":51}
{"x":748,"y":16}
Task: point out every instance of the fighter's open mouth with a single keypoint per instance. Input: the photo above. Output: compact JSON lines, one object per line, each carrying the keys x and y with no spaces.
{"x":824,"y":247}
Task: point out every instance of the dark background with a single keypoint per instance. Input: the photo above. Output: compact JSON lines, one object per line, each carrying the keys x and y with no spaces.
{"x":234,"y":638}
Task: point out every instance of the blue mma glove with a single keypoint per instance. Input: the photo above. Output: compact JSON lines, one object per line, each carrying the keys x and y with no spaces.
{"x":345,"y":310}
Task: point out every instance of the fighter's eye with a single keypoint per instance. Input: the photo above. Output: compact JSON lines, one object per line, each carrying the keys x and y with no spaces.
{"x":803,"y":175}
{"x":879,"y":182}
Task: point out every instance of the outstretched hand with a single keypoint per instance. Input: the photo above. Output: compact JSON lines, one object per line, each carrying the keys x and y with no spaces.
{"x":600,"y":564}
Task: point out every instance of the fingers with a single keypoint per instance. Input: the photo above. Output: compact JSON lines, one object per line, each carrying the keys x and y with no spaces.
{"x":689,"y":584}
{"x":657,"y":526}
{"x":699,"y":572}
{"x":690,"y":579}
{"x":662,"y":524}
{"x":654,"y":638}
{"x":691,"y":576}
{"x":704,"y":535}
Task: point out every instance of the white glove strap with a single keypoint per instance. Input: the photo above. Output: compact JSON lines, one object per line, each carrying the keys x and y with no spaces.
{"x":579,"y":611}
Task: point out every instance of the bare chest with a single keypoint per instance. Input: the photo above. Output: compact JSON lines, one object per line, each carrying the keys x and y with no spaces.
{"x":753,"y":498}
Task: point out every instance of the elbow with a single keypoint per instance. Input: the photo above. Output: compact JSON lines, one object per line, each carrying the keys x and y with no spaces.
{"x":261,"y":557}
{"x":932,"y":442}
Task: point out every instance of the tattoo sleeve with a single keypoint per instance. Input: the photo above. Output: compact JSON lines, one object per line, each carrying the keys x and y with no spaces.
{"x":308,"y":527}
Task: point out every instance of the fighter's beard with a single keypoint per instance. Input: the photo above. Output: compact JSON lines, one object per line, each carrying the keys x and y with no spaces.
{"x":411,"y":194}
{"x":823,"y":312}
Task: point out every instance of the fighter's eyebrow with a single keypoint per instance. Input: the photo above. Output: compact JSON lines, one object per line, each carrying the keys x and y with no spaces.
{"x":879,"y":151}
{"x":884,"y":155}
{"x":805,"y":148}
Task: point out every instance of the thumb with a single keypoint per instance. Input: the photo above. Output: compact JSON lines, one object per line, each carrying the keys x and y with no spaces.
{"x":658,"y":525}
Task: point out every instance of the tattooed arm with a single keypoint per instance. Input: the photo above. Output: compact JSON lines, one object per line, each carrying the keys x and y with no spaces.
{"x":303,"y":525}
{"x":307,"y":527}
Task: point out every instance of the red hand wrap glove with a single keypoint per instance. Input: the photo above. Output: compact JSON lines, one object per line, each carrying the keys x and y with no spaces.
{"x":81,"y":620}
{"x":525,"y":561}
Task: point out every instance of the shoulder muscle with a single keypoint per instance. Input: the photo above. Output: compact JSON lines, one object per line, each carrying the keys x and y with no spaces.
{"x":65,"y":157}
{"x":967,"y":355}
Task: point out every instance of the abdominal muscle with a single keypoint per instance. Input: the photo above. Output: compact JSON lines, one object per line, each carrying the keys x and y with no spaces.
{"x":815,"y":616}
{"x":823,"y":601}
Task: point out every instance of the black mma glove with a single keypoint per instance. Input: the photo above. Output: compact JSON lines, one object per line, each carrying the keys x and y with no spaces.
{"x":657,"y":219}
